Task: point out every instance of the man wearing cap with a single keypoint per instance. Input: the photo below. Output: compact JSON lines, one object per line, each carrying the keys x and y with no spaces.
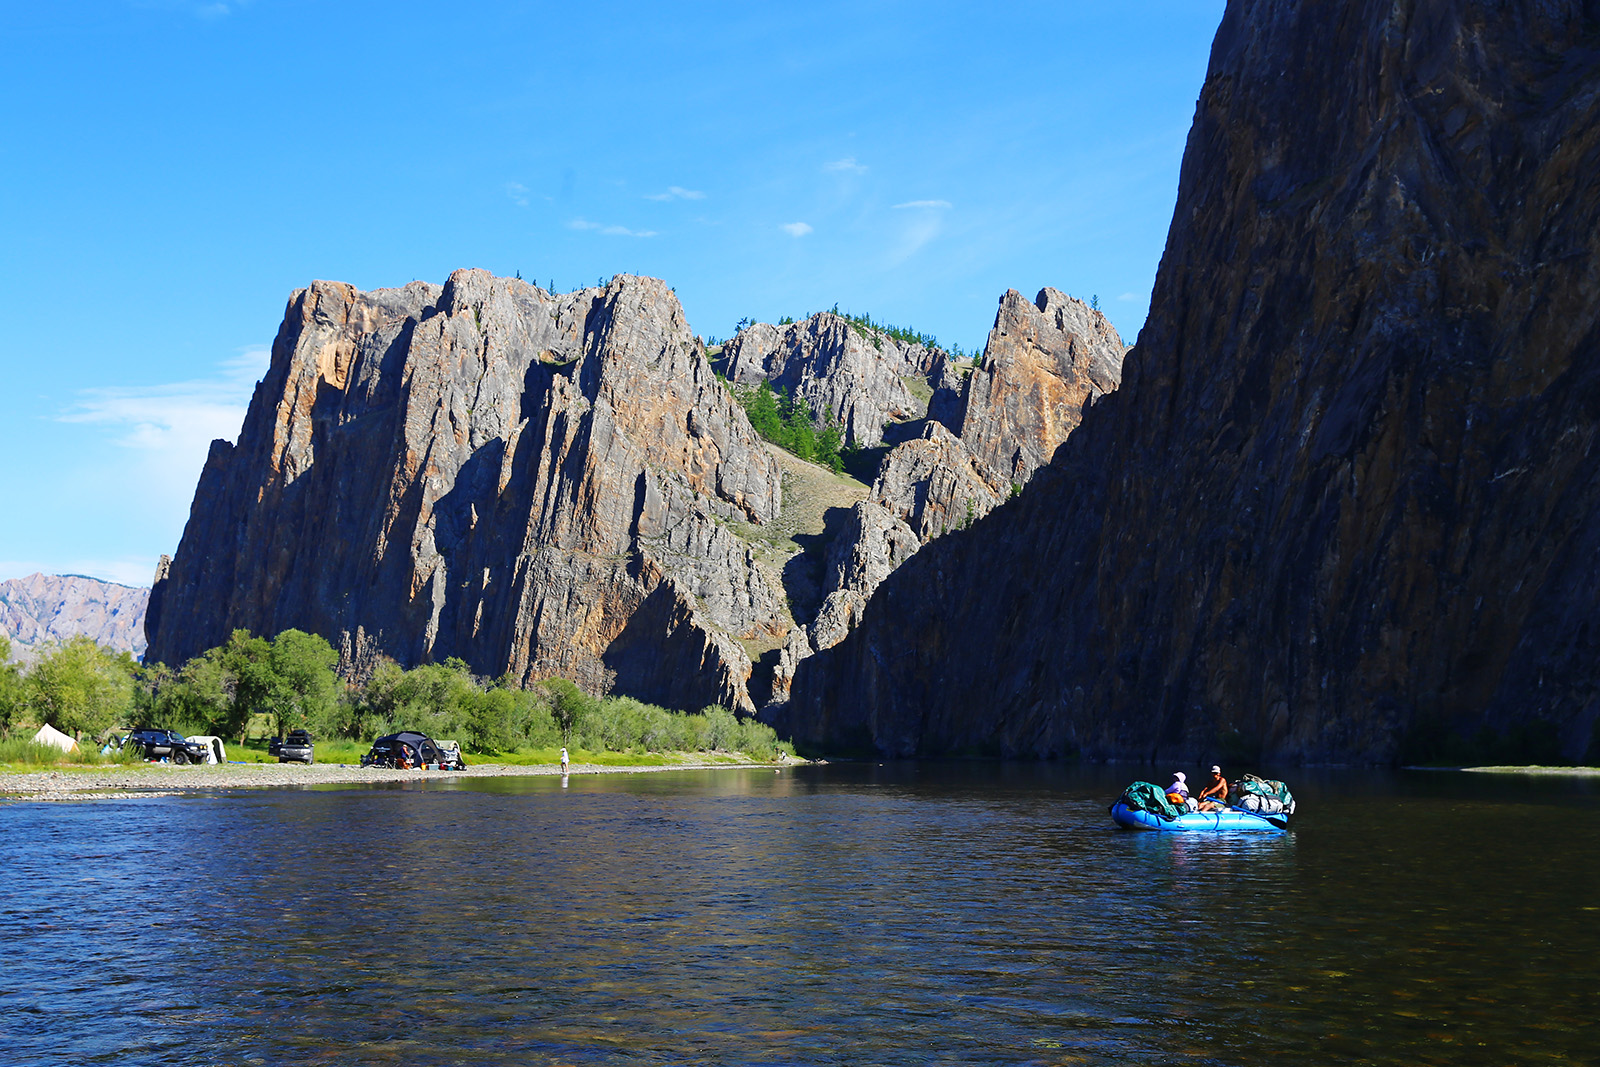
{"x":1214,"y":797}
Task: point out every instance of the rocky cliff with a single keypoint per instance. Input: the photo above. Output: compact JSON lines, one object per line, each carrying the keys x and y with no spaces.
{"x":42,"y":608}
{"x":1046,"y":362}
{"x":1345,"y":505}
{"x":850,"y":374}
{"x":539,"y":484}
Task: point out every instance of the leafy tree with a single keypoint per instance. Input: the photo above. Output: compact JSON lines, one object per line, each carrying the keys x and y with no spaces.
{"x":11,"y":689}
{"x":80,"y":688}
{"x":763,"y":411}
{"x":785,"y":418}
{"x":205,"y":691}
{"x":798,"y":435}
{"x":571,"y":706}
{"x":290,"y":678}
{"x":829,"y":440}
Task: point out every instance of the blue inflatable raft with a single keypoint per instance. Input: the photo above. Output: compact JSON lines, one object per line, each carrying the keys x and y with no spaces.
{"x":1227,"y":819}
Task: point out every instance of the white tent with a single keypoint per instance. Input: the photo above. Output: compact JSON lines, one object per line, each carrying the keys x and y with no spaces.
{"x":49,"y":735}
{"x":215,"y":753}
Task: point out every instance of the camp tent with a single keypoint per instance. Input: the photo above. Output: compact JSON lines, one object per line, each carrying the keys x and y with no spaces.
{"x":215,"y":753}
{"x":49,"y":735}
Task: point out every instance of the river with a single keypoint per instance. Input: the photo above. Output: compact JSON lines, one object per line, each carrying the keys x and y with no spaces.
{"x":845,"y":914}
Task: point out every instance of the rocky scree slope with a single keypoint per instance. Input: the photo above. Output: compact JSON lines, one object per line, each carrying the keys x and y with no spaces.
{"x":537,"y":483}
{"x":45,"y":608}
{"x":1346,"y":504}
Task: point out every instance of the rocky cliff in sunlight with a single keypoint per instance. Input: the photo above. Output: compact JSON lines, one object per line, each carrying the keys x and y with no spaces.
{"x":858,"y":377}
{"x":539,"y":484}
{"x":1346,"y":503}
{"x":44,"y":608}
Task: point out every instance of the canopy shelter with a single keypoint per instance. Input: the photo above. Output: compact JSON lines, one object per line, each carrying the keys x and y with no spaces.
{"x":49,"y":735}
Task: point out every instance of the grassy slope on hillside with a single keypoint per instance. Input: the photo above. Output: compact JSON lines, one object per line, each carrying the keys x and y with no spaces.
{"x":792,"y":549}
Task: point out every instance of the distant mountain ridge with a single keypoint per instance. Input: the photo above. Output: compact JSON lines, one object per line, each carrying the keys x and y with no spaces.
{"x":42,"y":608}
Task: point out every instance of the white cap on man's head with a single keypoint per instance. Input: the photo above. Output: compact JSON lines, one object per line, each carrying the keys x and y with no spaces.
{"x":1215,"y":769}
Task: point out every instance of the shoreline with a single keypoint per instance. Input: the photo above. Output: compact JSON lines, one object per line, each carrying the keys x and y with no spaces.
{"x":161,"y":779}
{"x":1581,"y":772}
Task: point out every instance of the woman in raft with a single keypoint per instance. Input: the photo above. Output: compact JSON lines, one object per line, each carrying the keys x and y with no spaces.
{"x":1178,"y":793}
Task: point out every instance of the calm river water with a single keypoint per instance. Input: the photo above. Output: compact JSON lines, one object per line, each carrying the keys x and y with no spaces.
{"x":850,"y":914}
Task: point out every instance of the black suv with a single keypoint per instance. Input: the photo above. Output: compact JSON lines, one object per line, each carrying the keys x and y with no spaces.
{"x":164,"y":744}
{"x":298,"y":747}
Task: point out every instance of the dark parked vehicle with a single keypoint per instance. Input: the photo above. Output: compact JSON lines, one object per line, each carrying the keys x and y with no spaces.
{"x":408,"y":749}
{"x":164,"y":744}
{"x":298,"y":747}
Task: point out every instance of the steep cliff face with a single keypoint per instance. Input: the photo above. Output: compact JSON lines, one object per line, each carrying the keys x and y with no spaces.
{"x":535,"y":483}
{"x":42,"y":608}
{"x":1345,"y":504}
{"x":855,"y":376}
{"x":1045,"y":363}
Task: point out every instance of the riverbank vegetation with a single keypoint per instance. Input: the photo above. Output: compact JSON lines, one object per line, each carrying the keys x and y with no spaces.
{"x":255,"y":687}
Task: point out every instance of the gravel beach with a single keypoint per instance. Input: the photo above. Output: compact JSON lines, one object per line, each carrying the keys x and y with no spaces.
{"x":159,"y":779}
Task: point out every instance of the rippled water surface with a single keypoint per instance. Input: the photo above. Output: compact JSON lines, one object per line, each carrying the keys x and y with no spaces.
{"x":852,"y":914}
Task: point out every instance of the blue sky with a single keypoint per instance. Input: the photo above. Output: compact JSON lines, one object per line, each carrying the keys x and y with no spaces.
{"x":174,"y":169}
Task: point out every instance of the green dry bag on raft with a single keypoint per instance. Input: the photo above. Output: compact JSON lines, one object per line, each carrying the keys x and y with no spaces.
{"x":1147,"y":796}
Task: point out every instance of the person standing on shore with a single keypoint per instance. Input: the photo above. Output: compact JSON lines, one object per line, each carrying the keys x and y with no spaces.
{"x":563,"y":761}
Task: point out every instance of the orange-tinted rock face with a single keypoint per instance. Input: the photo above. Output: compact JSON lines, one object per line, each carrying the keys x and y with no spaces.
{"x":535,"y":483}
{"x":1345,"y":505}
{"x":1045,"y":363}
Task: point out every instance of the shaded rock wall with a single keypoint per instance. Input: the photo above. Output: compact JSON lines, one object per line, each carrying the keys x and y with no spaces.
{"x":1346,"y":503}
{"x":535,"y":483}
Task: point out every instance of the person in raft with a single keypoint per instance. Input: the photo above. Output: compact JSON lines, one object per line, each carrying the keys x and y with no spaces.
{"x":1178,"y":792}
{"x":563,"y":761}
{"x":1214,"y":797}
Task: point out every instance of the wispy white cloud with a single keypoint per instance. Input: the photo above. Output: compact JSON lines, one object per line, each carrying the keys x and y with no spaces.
{"x":937,"y":204}
{"x":148,"y":445}
{"x":846,"y":165}
{"x":1128,"y":296}
{"x":518,"y":193}
{"x":919,"y":229}
{"x":124,"y":570}
{"x":676,"y":192}
{"x":211,"y":9}
{"x":796,"y":229}
{"x":612,"y":231}
{"x":179,"y":419}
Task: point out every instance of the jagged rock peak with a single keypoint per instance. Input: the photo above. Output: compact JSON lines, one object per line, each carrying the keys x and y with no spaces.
{"x":1045,"y":362}
{"x":534,"y":482}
